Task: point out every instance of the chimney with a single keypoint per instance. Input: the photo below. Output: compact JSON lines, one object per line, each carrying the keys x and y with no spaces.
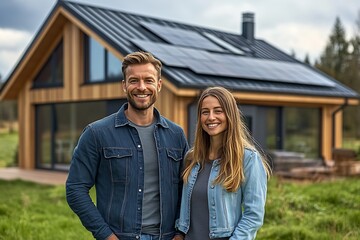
{"x":248,"y":26}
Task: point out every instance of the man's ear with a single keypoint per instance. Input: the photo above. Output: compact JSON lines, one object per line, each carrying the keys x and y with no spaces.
{"x":159,"y":85}
{"x":123,"y":85}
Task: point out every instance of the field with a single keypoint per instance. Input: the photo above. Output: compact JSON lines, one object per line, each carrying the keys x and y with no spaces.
{"x":303,"y":211}
{"x":8,"y":145}
{"x":294,"y":211}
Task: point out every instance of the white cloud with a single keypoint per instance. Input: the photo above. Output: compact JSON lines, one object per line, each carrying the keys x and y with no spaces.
{"x":301,"y":38}
{"x":11,"y":38}
{"x":12,"y":44}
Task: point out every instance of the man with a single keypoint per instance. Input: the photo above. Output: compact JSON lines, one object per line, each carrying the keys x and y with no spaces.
{"x":134,"y":159}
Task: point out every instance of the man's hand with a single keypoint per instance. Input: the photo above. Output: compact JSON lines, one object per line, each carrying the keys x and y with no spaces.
{"x":112,"y":237}
{"x":178,"y":237}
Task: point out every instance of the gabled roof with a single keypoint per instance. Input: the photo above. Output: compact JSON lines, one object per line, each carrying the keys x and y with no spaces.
{"x":196,"y":57}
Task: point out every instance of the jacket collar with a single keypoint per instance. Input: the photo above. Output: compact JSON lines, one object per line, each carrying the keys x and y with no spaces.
{"x":214,"y":163}
{"x":121,"y":120}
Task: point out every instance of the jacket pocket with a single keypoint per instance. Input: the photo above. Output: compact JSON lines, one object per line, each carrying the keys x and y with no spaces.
{"x":175,"y":157}
{"x":118,"y":161}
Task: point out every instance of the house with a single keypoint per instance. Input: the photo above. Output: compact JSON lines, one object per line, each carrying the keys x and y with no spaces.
{"x":70,"y":75}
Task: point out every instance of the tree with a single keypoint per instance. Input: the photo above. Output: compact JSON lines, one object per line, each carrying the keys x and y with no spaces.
{"x":341,"y":60}
{"x":8,"y":113}
{"x":307,"y":59}
{"x":352,"y":79}
{"x":333,"y":60}
{"x":292,"y":53}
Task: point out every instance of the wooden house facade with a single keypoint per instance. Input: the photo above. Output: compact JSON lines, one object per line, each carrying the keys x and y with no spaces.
{"x":70,"y":75}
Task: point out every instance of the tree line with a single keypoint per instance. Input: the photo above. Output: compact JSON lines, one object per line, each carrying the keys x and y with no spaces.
{"x":8,"y":113}
{"x":341,"y":60}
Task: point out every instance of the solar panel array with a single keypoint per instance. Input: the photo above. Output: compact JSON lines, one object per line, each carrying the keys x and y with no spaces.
{"x":182,"y":37}
{"x":224,"y":44}
{"x":229,"y":65}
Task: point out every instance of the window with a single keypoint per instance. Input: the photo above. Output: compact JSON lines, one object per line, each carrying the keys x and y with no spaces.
{"x":58,"y":127}
{"x":51,"y":74}
{"x":100,"y":64}
{"x":302,"y":131}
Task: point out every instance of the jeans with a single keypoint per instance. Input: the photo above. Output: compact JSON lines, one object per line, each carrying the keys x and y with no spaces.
{"x":148,"y":237}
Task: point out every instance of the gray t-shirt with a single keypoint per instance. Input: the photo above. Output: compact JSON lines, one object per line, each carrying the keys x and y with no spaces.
{"x":151,"y":200}
{"x":199,"y":212}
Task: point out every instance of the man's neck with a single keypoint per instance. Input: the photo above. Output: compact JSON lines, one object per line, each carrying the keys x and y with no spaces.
{"x":140,"y":117}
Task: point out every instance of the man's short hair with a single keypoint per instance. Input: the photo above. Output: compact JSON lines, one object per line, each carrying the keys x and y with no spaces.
{"x":141,"y":57}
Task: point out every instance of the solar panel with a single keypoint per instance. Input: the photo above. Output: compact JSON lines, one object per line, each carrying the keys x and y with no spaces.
{"x":182,"y":37}
{"x":228,"y":65}
{"x":223,"y":43}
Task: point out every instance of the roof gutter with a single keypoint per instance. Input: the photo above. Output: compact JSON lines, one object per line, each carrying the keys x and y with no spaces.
{"x":333,"y":119}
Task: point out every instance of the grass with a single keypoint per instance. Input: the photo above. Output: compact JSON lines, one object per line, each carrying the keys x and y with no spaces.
{"x":307,"y":211}
{"x":34,"y":212}
{"x":294,"y":211}
{"x":8,"y":145}
{"x":352,"y":143}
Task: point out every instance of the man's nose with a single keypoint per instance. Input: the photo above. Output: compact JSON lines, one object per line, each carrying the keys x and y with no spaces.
{"x":141,"y":85}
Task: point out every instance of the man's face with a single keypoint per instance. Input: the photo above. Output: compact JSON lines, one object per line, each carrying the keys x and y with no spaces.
{"x":141,"y":85}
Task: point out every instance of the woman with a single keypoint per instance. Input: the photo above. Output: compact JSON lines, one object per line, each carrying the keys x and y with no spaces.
{"x":225,"y":177}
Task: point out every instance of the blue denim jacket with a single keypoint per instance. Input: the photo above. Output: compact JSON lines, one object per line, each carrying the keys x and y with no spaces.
{"x":109,"y":155}
{"x":227,"y":218}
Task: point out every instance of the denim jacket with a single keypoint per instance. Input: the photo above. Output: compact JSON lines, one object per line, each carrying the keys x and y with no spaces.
{"x":109,"y":155}
{"x":237,"y":215}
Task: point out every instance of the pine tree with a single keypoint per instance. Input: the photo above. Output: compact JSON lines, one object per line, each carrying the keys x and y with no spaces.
{"x":352,"y":79}
{"x":307,"y":59}
{"x":337,"y":61}
{"x":333,"y":60}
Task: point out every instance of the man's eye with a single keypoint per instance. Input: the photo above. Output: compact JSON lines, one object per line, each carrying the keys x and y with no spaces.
{"x":133,"y":81}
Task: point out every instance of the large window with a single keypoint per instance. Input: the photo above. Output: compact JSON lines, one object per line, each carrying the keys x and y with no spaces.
{"x":58,"y":127}
{"x":100,"y":64}
{"x":51,"y":74}
{"x":302,"y":131}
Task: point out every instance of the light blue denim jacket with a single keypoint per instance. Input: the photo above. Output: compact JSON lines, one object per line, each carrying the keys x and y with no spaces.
{"x":237,"y":215}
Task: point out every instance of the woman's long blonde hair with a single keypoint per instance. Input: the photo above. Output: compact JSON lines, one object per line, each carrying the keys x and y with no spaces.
{"x":235,"y":139}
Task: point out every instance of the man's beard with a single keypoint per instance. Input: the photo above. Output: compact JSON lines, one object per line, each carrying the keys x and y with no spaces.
{"x":135,"y":106}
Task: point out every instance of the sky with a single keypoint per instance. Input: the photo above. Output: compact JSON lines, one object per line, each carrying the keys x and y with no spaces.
{"x":302,"y":27}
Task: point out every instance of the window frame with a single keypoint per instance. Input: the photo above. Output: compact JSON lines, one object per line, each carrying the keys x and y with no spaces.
{"x":87,"y":64}
{"x":53,"y":62}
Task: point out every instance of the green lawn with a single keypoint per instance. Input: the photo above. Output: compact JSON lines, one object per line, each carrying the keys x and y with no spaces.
{"x":321,"y":211}
{"x":35,"y":212}
{"x":294,"y":211}
{"x":328,"y":210}
{"x":8,"y":145}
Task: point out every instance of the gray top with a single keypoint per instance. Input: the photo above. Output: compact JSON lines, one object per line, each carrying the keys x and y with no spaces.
{"x":151,"y":199}
{"x":199,"y":209}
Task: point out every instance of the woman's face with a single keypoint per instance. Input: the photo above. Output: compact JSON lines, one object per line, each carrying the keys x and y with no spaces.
{"x":212,"y":117}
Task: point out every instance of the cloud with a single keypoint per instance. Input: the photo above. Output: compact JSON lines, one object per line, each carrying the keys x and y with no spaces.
{"x":12,"y":44}
{"x":303,"y":26}
{"x":301,"y":38}
{"x":23,"y":14}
